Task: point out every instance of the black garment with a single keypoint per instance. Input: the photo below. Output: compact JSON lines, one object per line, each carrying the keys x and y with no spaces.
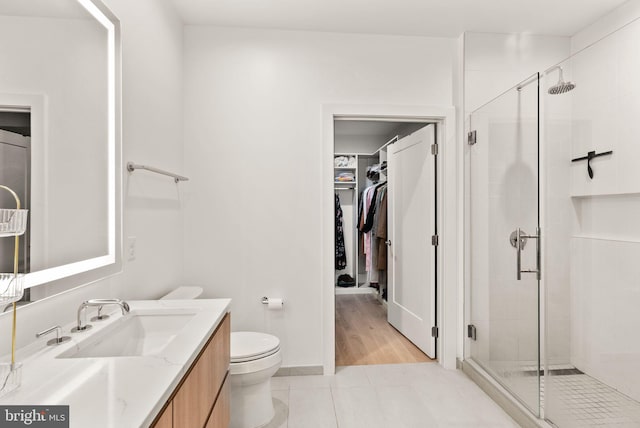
{"x":341,"y":253}
{"x":368,"y":224}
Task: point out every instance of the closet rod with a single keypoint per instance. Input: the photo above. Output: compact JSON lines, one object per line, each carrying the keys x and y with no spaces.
{"x":132,"y":167}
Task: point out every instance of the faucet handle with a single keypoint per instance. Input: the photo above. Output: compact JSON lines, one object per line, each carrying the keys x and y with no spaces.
{"x":100,"y":317}
{"x":58,"y":340}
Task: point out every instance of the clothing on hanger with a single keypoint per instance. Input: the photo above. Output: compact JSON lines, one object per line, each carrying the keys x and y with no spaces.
{"x":381,"y":233}
{"x":368,"y":224}
{"x":341,"y":253}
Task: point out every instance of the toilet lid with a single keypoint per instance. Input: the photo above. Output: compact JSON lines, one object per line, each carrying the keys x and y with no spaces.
{"x":249,"y":345}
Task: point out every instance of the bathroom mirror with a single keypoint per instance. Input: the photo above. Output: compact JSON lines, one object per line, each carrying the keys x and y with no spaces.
{"x":60,"y":139}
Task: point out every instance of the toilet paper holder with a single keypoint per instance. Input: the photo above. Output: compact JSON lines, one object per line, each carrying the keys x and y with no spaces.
{"x":265,"y":300}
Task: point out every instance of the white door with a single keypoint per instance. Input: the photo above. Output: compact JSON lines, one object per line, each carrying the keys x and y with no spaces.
{"x":411,"y":287}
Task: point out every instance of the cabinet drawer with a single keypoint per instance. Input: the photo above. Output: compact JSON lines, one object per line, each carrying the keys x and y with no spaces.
{"x":195,"y":398}
{"x":221,"y":413}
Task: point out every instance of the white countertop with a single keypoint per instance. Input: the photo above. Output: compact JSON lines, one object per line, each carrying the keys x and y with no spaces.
{"x":114,"y":391}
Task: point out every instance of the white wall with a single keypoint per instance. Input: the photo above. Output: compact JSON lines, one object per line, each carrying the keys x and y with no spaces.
{"x":152,"y":133}
{"x":605,"y":25}
{"x":604,"y":238}
{"x":253,"y":144}
{"x":494,"y":63}
{"x":152,"y":35}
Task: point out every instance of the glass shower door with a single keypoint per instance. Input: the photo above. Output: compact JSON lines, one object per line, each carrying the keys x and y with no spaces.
{"x":504,"y":243}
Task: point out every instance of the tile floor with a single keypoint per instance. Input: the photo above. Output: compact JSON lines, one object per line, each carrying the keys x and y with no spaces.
{"x":421,"y":395}
{"x":581,"y":401}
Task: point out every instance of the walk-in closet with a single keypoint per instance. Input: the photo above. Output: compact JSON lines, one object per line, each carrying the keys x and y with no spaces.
{"x":384,"y":183}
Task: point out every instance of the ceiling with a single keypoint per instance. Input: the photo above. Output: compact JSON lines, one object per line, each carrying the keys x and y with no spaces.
{"x":378,"y":130}
{"x":435,"y":18}
{"x":44,"y":8}
{"x":365,"y":128}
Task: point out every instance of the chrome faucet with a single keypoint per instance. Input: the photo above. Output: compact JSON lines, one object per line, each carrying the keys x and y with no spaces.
{"x":82,"y":325}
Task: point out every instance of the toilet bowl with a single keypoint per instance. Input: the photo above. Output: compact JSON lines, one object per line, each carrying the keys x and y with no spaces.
{"x":255,"y":358}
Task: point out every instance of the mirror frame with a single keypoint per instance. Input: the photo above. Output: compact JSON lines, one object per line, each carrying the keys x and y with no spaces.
{"x":83,"y":272}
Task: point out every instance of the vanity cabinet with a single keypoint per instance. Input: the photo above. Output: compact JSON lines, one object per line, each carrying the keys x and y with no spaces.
{"x":202,"y":397}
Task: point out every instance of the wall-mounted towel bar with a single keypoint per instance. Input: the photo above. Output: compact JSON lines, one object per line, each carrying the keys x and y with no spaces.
{"x":588,"y":158}
{"x":132,"y":167}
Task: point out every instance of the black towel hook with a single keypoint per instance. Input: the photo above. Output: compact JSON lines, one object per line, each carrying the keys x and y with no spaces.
{"x":590,"y":155}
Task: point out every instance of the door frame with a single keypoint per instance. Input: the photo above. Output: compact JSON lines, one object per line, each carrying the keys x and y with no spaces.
{"x":449,"y":227}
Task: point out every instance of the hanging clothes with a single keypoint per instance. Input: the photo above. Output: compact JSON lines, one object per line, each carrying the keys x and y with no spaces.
{"x":376,"y":216}
{"x":366,"y":205}
{"x":341,"y":253}
{"x":370,"y":250}
{"x":371,"y":212}
{"x":381,"y":232}
{"x":372,"y":223}
{"x":374,"y":271}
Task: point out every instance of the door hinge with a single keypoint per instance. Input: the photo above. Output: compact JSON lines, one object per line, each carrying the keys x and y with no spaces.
{"x":434,"y":149}
{"x":435,"y":240}
{"x":471,"y":331}
{"x":435,"y":332}
{"x":471,"y":138}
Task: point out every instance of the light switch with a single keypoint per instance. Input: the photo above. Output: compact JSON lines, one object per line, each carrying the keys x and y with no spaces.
{"x":131,"y":248}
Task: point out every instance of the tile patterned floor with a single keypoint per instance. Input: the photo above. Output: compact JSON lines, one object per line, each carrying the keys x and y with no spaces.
{"x":574,"y":400}
{"x":421,"y":395}
{"x":582,"y":401}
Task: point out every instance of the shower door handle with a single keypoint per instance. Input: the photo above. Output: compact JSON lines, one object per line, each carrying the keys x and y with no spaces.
{"x":518,"y":240}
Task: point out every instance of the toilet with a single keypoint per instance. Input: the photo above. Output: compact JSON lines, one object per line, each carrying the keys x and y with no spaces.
{"x":255,"y":358}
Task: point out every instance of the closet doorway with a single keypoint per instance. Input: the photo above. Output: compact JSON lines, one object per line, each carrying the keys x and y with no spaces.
{"x":385,"y":268}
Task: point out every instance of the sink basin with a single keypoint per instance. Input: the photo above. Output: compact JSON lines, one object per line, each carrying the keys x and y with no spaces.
{"x":131,"y":335}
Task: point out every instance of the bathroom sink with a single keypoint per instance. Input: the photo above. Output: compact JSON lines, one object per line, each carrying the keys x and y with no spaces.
{"x":131,"y":335}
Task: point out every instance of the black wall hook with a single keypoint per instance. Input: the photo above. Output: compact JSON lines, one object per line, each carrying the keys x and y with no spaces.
{"x":588,"y":157}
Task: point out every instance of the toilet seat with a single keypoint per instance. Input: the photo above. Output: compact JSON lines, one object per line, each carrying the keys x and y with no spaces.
{"x":256,"y":367}
{"x":249,"y":346}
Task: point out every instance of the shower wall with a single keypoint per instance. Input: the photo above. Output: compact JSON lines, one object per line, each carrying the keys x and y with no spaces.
{"x":592,"y":229}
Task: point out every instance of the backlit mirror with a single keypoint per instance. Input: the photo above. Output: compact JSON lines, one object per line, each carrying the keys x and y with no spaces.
{"x":60,"y":139}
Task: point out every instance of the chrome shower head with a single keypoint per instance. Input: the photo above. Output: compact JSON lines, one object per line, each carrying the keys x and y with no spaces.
{"x":561,"y":87}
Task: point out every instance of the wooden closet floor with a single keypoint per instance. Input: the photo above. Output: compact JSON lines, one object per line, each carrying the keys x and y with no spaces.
{"x":363,"y":335}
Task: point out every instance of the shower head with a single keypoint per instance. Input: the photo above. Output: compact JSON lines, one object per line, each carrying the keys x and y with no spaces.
{"x":561,"y":87}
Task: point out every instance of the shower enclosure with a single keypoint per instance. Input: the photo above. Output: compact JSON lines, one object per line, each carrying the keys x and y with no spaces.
{"x":504,"y":219}
{"x":554,"y":238}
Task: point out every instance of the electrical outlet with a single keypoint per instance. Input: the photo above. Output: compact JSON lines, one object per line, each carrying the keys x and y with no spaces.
{"x":131,"y":248}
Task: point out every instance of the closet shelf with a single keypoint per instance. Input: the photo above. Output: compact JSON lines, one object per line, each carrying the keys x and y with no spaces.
{"x":344,"y":167}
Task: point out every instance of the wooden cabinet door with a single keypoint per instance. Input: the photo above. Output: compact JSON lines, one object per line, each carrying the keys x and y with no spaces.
{"x":221,"y":414}
{"x":166,"y":419}
{"x":193,"y":402}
